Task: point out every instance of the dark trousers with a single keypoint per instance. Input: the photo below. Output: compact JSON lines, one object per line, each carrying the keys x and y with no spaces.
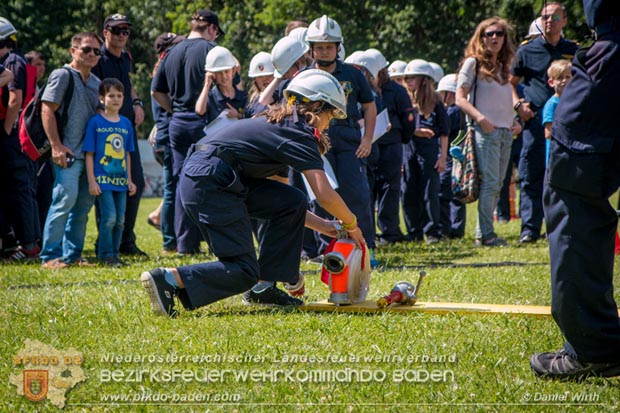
{"x":452,"y":212}
{"x":168,"y":202}
{"x":387,"y":189}
{"x":531,"y":173}
{"x":581,"y":226}
{"x":420,"y":190}
{"x":19,"y":182}
{"x":128,"y":238}
{"x":45,"y":184}
{"x":503,"y":203}
{"x":185,"y":129}
{"x":226,"y":225}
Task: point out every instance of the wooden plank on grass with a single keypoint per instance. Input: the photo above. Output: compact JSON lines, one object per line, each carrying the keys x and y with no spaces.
{"x":432,"y":307}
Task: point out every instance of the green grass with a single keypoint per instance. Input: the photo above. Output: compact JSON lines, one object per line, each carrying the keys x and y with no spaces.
{"x":484,"y":358}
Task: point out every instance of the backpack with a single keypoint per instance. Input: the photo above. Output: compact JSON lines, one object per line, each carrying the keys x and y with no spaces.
{"x":32,"y":136}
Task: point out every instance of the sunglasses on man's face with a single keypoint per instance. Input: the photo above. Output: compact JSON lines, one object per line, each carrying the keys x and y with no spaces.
{"x":118,"y":31}
{"x":553,"y":17}
{"x":493,"y":33}
{"x":88,"y":49}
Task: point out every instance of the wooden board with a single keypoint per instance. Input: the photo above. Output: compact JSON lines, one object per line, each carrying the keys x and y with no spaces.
{"x":432,"y":307}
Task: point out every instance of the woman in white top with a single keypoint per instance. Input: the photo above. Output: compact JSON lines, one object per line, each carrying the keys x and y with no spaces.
{"x":484,"y":94}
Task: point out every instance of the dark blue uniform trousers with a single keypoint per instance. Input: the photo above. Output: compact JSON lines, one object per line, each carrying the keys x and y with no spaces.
{"x":185,"y":129}
{"x":581,"y":225}
{"x":387,"y":189}
{"x":222,"y":207}
{"x":420,"y":190}
{"x":531,"y":173}
{"x":452,"y":212}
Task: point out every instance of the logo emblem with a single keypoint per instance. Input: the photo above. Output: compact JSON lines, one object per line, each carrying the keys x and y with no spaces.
{"x":35,"y":384}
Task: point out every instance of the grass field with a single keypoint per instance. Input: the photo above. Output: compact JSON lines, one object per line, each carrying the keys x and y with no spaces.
{"x":229,"y":357}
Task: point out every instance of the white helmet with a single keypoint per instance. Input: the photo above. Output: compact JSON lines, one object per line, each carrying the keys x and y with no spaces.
{"x":447,"y":83}
{"x":419,"y":67}
{"x":380,"y":60}
{"x":285,"y":53}
{"x":299,"y":33}
{"x":437,"y":70}
{"x":6,"y":28}
{"x":318,"y":85}
{"x":397,"y":68}
{"x":536,"y":28}
{"x":261,"y":65}
{"x":324,"y":30}
{"x":218,"y":59}
{"x":354,"y":58}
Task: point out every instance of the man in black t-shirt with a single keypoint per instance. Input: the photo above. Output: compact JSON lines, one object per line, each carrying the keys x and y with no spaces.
{"x":176,"y":87}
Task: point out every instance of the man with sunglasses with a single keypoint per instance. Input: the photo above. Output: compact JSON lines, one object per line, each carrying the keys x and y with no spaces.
{"x":176,"y":87}
{"x":530,"y":65}
{"x":65,"y":226}
{"x":116,"y":62}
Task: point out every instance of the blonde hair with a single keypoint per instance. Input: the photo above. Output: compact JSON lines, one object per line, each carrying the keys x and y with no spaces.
{"x":309,"y":111}
{"x":558,"y":68}
{"x":424,"y":98}
{"x":487,"y":67}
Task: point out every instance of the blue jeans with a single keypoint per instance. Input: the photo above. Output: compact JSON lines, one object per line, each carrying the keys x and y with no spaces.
{"x":112,"y":205}
{"x":493,"y":154}
{"x":65,"y":226}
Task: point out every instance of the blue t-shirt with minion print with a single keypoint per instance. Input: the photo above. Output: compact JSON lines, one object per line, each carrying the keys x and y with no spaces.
{"x":110,"y":142}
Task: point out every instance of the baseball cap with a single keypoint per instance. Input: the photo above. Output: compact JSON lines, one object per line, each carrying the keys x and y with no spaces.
{"x":116,"y":20}
{"x":208,"y":16}
{"x":165,"y":40}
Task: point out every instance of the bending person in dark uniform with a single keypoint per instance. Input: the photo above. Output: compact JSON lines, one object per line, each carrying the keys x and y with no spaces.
{"x":228,"y":178}
{"x":584,"y":171}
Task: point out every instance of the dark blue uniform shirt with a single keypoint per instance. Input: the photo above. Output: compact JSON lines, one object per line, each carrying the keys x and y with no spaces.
{"x":531,"y":63}
{"x":402,"y":117}
{"x":182,"y":73}
{"x":218,"y":102}
{"x":437,"y":121}
{"x":117,"y":68}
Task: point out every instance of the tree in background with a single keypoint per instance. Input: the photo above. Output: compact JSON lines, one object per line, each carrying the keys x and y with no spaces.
{"x":432,"y":30}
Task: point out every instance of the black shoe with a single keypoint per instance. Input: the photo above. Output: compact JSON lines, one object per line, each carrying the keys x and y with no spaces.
{"x":132,"y":250}
{"x":526,"y":239}
{"x":112,"y":262}
{"x":160,"y":292}
{"x":562,"y":366}
{"x":272,"y":296}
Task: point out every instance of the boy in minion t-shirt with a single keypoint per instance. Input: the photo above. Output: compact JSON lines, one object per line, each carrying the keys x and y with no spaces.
{"x":109,"y":138}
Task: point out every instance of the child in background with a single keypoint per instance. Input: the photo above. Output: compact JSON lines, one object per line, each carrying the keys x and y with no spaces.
{"x":261,"y":73}
{"x":218,"y":92}
{"x":558,"y":75}
{"x":107,"y":142}
{"x":452,"y":211}
{"x":425,"y":156}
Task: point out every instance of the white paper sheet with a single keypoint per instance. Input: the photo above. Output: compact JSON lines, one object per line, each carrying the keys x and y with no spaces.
{"x":381,"y":126}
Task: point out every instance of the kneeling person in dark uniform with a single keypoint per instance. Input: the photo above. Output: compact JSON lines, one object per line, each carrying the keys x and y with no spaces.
{"x":231,"y":177}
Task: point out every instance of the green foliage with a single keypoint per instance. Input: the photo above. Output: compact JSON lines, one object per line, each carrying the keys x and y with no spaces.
{"x":436,"y":31}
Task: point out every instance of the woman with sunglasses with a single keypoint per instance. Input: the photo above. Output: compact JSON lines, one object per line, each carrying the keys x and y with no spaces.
{"x":485,"y":95}
{"x":233,"y":176}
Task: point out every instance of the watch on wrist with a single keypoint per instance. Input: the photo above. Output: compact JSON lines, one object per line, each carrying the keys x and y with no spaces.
{"x":517,"y":105}
{"x":138,"y":102}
